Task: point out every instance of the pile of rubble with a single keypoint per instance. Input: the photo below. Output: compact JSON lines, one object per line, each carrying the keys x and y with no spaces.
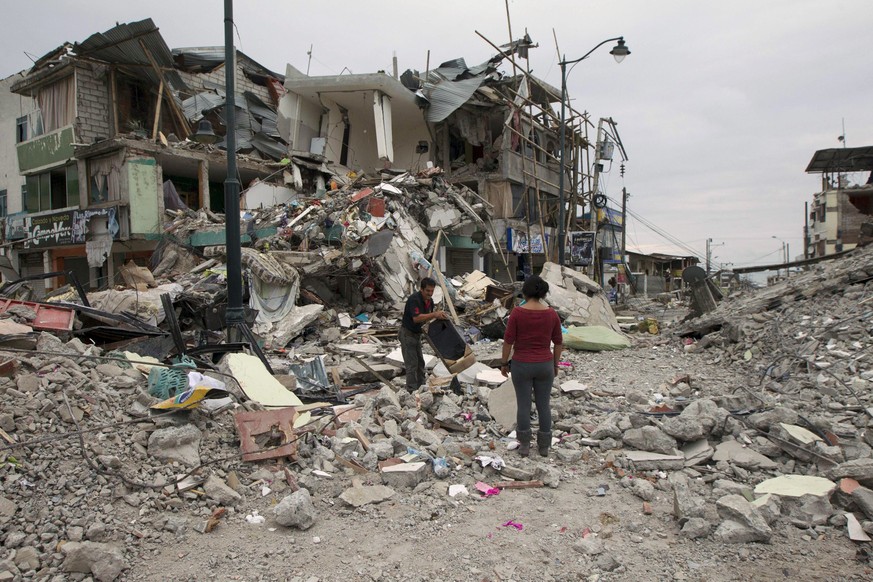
{"x":98,"y":468}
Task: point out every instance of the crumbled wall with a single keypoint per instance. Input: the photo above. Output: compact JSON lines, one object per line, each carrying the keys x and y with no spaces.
{"x":93,"y":112}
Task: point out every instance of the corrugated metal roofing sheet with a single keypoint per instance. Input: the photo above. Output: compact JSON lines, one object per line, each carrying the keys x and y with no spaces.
{"x":121,"y":45}
{"x":842,"y":160}
{"x":448,"y":96}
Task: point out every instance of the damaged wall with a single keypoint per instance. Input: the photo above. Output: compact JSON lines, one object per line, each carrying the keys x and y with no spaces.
{"x":93,"y":111}
{"x":144,"y":184}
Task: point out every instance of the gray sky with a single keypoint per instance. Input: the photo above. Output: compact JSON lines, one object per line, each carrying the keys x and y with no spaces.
{"x":720,"y":105}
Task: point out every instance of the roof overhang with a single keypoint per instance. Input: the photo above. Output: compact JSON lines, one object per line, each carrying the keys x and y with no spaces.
{"x":841,"y":160}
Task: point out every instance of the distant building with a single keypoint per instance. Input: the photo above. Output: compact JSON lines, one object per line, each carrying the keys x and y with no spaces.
{"x":842,"y":207}
{"x":657,"y":273}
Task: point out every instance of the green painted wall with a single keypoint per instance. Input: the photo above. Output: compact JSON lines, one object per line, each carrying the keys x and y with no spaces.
{"x":46,"y":150}
{"x":142,"y":174}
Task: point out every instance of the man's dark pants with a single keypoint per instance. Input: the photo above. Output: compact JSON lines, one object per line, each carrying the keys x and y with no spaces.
{"x":413,"y":358}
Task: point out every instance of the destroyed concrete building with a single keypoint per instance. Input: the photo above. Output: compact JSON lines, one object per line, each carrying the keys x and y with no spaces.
{"x":104,"y":154}
{"x":841,"y":215}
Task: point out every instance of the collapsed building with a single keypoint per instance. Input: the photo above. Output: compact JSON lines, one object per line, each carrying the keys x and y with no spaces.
{"x":841,"y":216}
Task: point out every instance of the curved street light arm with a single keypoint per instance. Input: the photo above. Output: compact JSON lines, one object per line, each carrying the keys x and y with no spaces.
{"x":565,"y":62}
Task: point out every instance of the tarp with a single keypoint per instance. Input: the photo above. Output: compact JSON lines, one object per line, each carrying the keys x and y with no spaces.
{"x":594,"y":338}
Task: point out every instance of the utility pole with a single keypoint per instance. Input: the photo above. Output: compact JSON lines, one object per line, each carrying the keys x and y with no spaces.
{"x":623,"y":221}
{"x":708,"y":254}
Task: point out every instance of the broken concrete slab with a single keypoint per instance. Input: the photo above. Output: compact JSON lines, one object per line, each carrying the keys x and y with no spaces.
{"x":796,"y":486}
{"x":800,"y":434}
{"x":858,"y":469}
{"x":645,"y":461}
{"x":737,"y":509}
{"x":741,"y":456}
{"x":855,"y":531}
{"x":697,"y":452}
{"x":490,"y":377}
{"x":502,"y":405}
{"x":358,"y":495}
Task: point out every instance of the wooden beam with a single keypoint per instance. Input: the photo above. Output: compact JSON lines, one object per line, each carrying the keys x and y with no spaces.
{"x":158,"y":111}
{"x":174,"y":107}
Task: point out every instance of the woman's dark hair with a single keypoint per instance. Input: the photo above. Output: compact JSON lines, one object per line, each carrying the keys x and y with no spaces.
{"x":534,"y":288}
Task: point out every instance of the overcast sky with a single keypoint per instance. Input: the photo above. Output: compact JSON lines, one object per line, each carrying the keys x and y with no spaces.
{"x":720,"y":106}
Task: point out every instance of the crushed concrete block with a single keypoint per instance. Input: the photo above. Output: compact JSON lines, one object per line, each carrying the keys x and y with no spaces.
{"x":645,"y":461}
{"x":176,"y":443}
{"x":858,"y":469}
{"x":608,"y":427}
{"x":404,"y":475}
{"x":27,"y":558}
{"x":639,"y":487}
{"x":685,"y":428}
{"x":104,"y":561}
{"x":863,"y":497}
{"x":686,"y":503}
{"x":769,"y":506}
{"x":733,"y":532}
{"x":296,"y":510}
{"x":650,"y":438}
{"x":7,"y":509}
{"x":696,"y":527}
{"x":796,"y":486}
{"x":395,"y":358}
{"x":358,"y":496}
{"x":217,"y":490}
{"x":502,"y":405}
{"x":589,"y":546}
{"x":737,"y":509}
{"x":807,"y":511}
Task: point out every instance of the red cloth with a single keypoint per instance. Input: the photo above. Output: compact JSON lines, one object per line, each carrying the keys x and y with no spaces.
{"x":532,"y":332}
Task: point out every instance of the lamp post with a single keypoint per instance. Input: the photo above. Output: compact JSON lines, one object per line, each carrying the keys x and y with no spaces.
{"x":785,"y":252}
{"x":235,"y":315}
{"x":619,"y":51}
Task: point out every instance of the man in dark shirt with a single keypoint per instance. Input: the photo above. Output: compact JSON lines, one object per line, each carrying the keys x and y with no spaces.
{"x":418,"y":310}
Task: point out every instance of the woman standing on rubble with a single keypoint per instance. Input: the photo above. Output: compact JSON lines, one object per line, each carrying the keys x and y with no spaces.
{"x":532,"y":328}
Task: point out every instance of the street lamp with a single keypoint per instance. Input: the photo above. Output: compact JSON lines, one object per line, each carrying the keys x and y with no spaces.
{"x":619,"y":51}
{"x":235,"y":314}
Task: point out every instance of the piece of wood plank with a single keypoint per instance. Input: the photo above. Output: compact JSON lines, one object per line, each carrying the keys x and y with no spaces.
{"x":362,"y":438}
{"x":6,"y":436}
{"x":158,"y":110}
{"x":518,"y":484}
{"x":442,"y":282}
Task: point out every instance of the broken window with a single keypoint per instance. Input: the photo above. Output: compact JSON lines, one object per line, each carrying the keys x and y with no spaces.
{"x":3,"y":208}
{"x":103,"y":180}
{"x":58,"y":188}
{"x":135,"y":105}
{"x":21,"y":129}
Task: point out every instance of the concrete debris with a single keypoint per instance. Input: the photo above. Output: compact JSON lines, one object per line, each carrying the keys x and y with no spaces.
{"x":296,"y":510}
{"x":740,"y":457}
{"x":104,"y":561}
{"x":742,"y":522}
{"x":796,"y":486}
{"x":358,"y":496}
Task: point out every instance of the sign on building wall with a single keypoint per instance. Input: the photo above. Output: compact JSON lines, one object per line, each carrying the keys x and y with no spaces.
{"x":582,"y":248}
{"x":518,"y":241}
{"x":66,"y":228}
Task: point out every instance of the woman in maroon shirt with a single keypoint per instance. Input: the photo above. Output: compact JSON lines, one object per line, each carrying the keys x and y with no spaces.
{"x":531,"y":330}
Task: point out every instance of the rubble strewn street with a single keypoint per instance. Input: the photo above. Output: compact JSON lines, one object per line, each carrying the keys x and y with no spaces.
{"x":728,"y":446}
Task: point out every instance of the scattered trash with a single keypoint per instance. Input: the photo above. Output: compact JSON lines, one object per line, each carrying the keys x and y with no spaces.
{"x":254,"y":518}
{"x":511,"y":523}
{"x":487,"y":490}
